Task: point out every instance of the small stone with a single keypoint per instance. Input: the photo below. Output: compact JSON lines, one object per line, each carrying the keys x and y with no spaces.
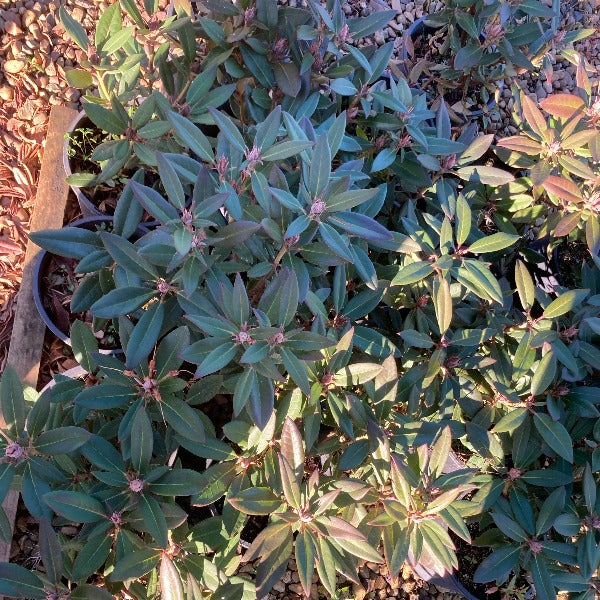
{"x":296,"y":588}
{"x":6,"y":93}
{"x":379,"y":37}
{"x":72,"y":95}
{"x":14,"y":66}
{"x":12,"y":28}
{"x":279,"y":587}
{"x":78,"y":14}
{"x":29,"y":17}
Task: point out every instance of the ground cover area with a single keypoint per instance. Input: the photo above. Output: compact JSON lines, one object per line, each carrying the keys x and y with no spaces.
{"x":36,"y":53}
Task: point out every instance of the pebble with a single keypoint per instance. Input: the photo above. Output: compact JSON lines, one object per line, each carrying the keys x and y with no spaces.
{"x":12,"y":28}
{"x":6,"y":93}
{"x":14,"y":66}
{"x":29,"y":17}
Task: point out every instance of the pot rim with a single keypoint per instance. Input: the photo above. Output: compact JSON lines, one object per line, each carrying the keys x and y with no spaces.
{"x":37,"y":286}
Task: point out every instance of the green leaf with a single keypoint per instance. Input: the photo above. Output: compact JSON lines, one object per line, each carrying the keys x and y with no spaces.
{"x":235,"y":233}
{"x":555,"y":435}
{"x":83,"y":343}
{"x":442,"y":302}
{"x":171,"y":587}
{"x":187,"y":134}
{"x":183,"y":419}
{"x":105,"y":396}
{"x":509,"y":422}
{"x":287,"y":77}
{"x":544,"y":588}
{"x":217,"y":359}
{"x":288,"y":299}
{"x":255,"y":501}
{"x":71,"y":242}
{"x":136,"y":564}
{"x":228,"y":128}
{"x":335,"y":242}
{"x":362,"y":26}
{"x":493,"y":243}
{"x":486,"y":175}
{"x":305,"y":559}
{"x":463,"y":222}
{"x":550,"y":510}
{"x":478,"y":147}
{"x":565,"y":303}
{"x":258,"y":65}
{"x":168,"y":355}
{"x":117,"y":40}
{"x":468,"y":56}
{"x":292,"y":446}
{"x":509,"y":527}
{"x":78,"y":78}
{"x":18,"y":582}
{"x":75,"y":31}
{"x":320,"y":167}
{"x":142,"y":441}
{"x":349,"y":199}
{"x":296,"y":369}
{"x":544,"y":374}
{"x":154,"y":520}
{"x":105,"y":119}
{"x":289,"y":482}
{"x":12,"y":401}
{"x":525,"y":286}
{"x":154,"y":203}
{"x":144,"y":335}
{"x":178,"y":482}
{"x":416,"y":339}
{"x":439,"y":453}
{"x":215,"y":483}
{"x":498,"y":565}
{"x":275,"y":548}
{"x":343,"y":87}
{"x":361,"y":549}
{"x":285,"y":149}
{"x":90,"y":592}
{"x":50,"y":551}
{"x":62,"y":440}
{"x":412,"y":273}
{"x":75,"y":506}
{"x":127,"y":256}
{"x":357,"y":374}
{"x":170,"y":180}
{"x":91,"y":557}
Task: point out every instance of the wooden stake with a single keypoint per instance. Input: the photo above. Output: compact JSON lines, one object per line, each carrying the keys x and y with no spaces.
{"x":28,"y":331}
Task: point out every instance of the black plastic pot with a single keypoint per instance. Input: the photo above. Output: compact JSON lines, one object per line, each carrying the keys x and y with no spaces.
{"x":38,"y":274}
{"x":418,"y":28}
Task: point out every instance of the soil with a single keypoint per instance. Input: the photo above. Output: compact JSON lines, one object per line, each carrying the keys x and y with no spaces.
{"x":569,"y":257}
{"x":469,"y":558}
{"x":104,"y":197}
{"x":82,"y":142}
{"x":59,"y":281}
{"x":425,"y":46}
